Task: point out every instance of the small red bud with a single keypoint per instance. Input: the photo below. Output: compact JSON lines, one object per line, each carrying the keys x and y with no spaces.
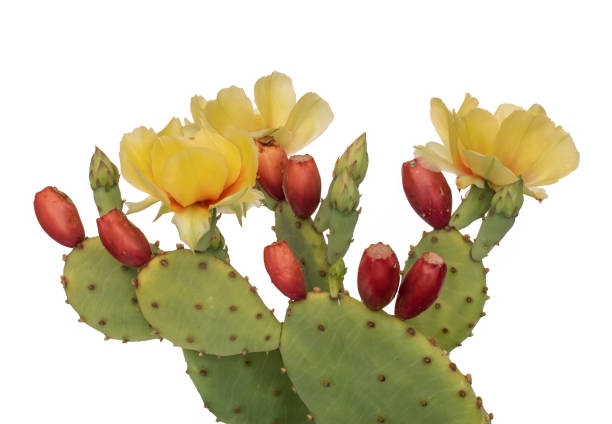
{"x":421,"y":286}
{"x":378,"y":276}
{"x":58,"y":216}
{"x":302,"y":185}
{"x":285,"y":271}
{"x":123,"y":240}
{"x":428,"y":193}
{"x":272,"y":160}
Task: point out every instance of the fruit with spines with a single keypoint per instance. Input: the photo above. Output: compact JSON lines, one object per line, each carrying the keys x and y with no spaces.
{"x":307,"y":244}
{"x":58,"y":217}
{"x":246,"y":389}
{"x":123,"y":239}
{"x":284,"y":270}
{"x":101,"y":291}
{"x":104,"y":181}
{"x":421,"y":286}
{"x":272,"y":161}
{"x":505,"y":206}
{"x":201,"y":303}
{"x":460,"y":305}
{"x":428,"y":193}
{"x":378,"y":276}
{"x":353,"y":365}
{"x":302,"y":185}
{"x":474,"y":206}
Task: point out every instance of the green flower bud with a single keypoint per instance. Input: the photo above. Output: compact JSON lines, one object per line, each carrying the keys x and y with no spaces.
{"x":102,"y":172}
{"x":354,"y":159}
{"x":508,"y":199}
{"x":343,"y":193}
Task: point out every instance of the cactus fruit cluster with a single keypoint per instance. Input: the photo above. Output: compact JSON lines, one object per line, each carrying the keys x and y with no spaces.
{"x":334,"y":359}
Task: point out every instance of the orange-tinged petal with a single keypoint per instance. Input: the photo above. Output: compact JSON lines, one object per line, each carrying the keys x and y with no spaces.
{"x":489,"y":167}
{"x":194,"y":174}
{"x":477,"y":131}
{"x":310,"y":116}
{"x":163,"y":149}
{"x":274,"y":97}
{"x":225,"y":148}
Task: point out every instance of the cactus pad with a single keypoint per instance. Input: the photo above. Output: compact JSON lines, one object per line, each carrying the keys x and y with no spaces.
{"x":459,"y":307}
{"x":99,"y":288}
{"x":246,"y":389}
{"x":307,"y":244}
{"x":353,"y":365}
{"x":201,"y":303}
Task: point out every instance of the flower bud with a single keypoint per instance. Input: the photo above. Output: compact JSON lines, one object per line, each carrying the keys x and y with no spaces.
{"x":285,"y":271}
{"x":123,"y":240}
{"x":58,"y":216}
{"x":272,"y":159}
{"x":428,"y":193}
{"x":302,"y":185}
{"x":354,"y":159}
{"x":421,"y":286}
{"x":104,"y":179}
{"x":378,"y":276}
{"x":343,"y":193}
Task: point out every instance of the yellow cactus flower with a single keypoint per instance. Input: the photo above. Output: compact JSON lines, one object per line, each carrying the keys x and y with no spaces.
{"x":293,"y":124}
{"x":499,"y":147}
{"x":191,"y":172}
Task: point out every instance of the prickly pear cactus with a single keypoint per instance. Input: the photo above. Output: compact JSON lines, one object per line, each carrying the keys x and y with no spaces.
{"x":246,"y":389}
{"x":460,"y":304}
{"x":353,"y":365}
{"x":100,"y":289}
{"x":201,"y":303}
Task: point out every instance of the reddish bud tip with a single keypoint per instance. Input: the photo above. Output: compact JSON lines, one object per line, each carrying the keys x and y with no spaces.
{"x":428,"y":193}
{"x":302,"y":185}
{"x":421,"y":286}
{"x":123,"y":239}
{"x":58,"y":216}
{"x":285,"y":271}
{"x":272,"y":161}
{"x":378,"y":276}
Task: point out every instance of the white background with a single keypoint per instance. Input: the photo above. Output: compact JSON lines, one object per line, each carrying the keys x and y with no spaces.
{"x":79,"y":74}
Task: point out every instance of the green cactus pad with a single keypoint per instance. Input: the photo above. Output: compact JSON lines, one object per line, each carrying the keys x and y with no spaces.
{"x":201,"y":303}
{"x":100,"y":289}
{"x":341,"y":229}
{"x":353,"y":365}
{"x":246,"y":389}
{"x":452,"y":317}
{"x":307,"y":244}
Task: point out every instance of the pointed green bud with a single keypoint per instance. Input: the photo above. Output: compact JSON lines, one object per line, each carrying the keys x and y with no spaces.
{"x":102,"y":172}
{"x":354,"y":159}
{"x":343,"y":193}
{"x":336,"y":277}
{"x":509,"y":199}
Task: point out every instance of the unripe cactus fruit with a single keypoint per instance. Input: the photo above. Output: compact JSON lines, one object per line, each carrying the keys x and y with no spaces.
{"x":123,"y":240}
{"x":421,"y":286}
{"x":428,"y":193}
{"x":272,"y":160}
{"x":302,"y":185}
{"x":378,"y":276}
{"x":59,"y":217}
{"x":285,"y":271}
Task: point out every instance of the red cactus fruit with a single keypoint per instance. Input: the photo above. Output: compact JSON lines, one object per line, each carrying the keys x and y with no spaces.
{"x":378,"y":276}
{"x":428,"y":193}
{"x":58,"y":216}
{"x":302,"y":185}
{"x":272,"y":160}
{"x":285,"y":271}
{"x":421,"y":286}
{"x":123,"y":240}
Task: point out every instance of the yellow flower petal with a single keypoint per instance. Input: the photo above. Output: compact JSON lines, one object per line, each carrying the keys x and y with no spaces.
{"x":489,"y":167}
{"x":195,"y":174}
{"x":248,"y":158}
{"x":440,"y":118}
{"x":274,"y":97}
{"x":464,"y":181}
{"x":522,"y":138}
{"x":535,"y":192}
{"x":310,"y":116}
{"x":163,"y":149}
{"x":238,"y":203}
{"x":134,"y":207}
{"x":536,"y":109}
{"x":436,"y":157}
{"x":469,"y":103}
{"x":477,"y":131}
{"x":504,"y":110}
{"x":225,"y":148}
{"x":198,"y":113}
{"x":173,"y":127}
{"x":192,"y":223}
